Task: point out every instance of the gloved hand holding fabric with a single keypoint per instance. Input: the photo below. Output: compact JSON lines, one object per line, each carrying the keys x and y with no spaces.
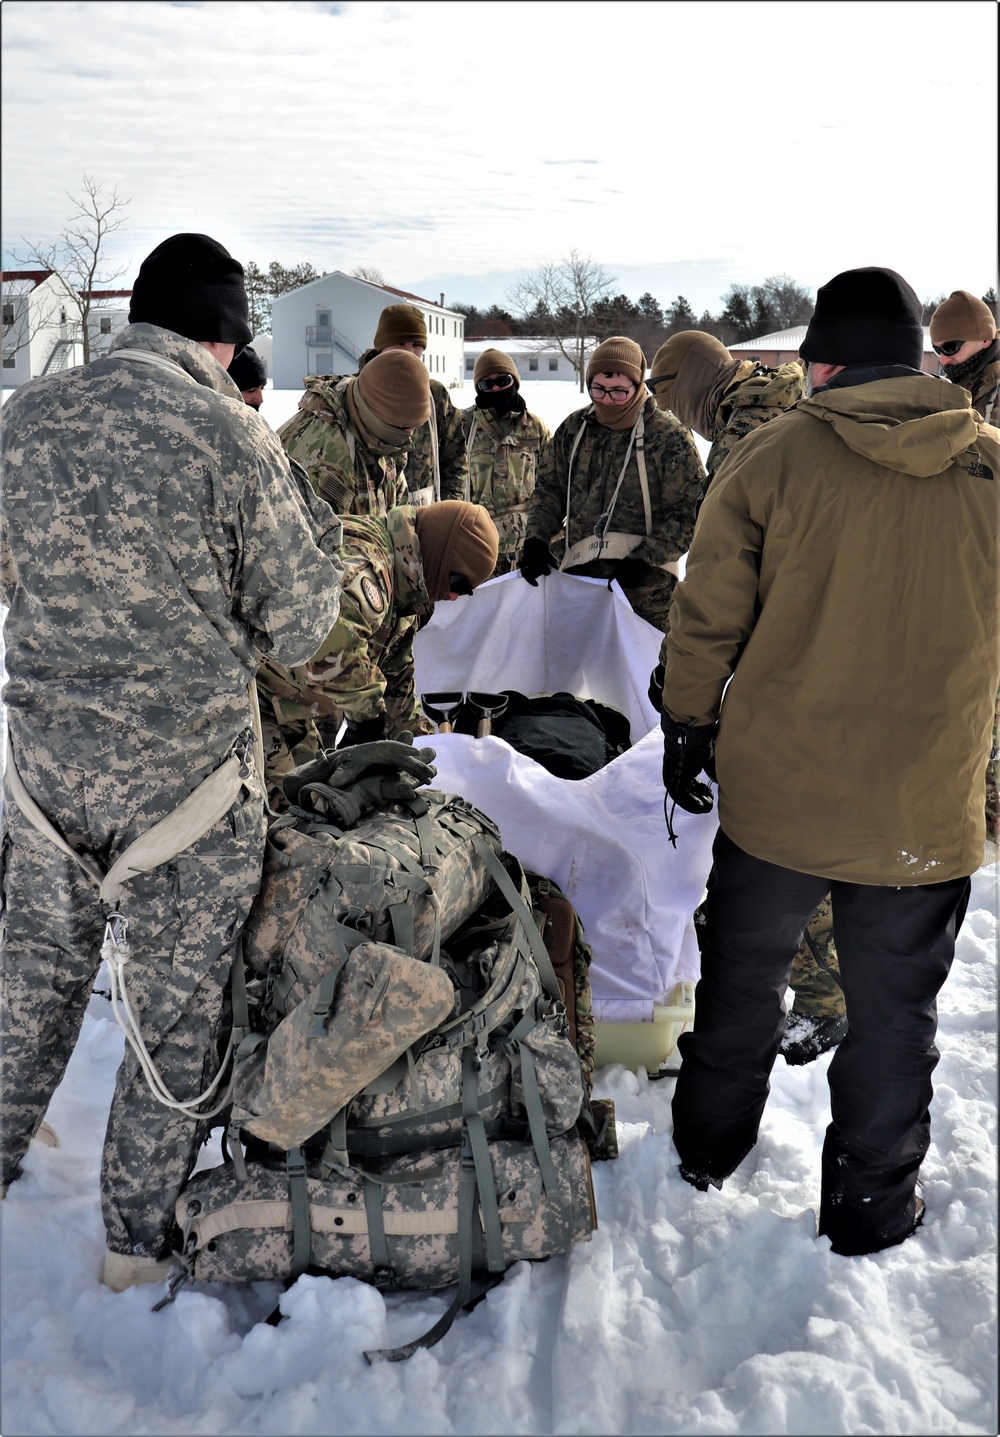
{"x":537,"y":560}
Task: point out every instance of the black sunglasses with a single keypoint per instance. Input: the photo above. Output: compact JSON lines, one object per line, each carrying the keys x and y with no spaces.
{"x":495,"y":381}
{"x":950,"y":347}
{"x":459,"y":584}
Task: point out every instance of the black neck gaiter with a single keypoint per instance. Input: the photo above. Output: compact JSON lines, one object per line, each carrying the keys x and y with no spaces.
{"x":502,"y":401}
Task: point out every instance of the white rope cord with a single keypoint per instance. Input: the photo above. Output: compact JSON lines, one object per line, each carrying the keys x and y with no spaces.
{"x":116,"y":953}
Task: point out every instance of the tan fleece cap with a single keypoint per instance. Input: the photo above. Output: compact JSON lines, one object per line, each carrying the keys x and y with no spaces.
{"x":618,"y":355}
{"x":494,"y":361}
{"x":395,"y":385}
{"x":400,"y":324}
{"x":962,"y":316}
{"x":455,"y":538}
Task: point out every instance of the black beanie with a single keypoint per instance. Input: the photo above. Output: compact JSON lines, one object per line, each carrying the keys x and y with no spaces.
{"x":192,"y":285}
{"x":248,"y":370}
{"x":865,"y":316}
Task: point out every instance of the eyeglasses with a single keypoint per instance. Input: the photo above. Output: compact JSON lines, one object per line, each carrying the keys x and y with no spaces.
{"x":495,"y":381}
{"x":459,"y":584}
{"x":617,"y":396}
{"x":950,"y":347}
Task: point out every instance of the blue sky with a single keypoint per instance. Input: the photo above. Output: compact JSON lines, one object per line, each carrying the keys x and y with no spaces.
{"x":684,"y":146}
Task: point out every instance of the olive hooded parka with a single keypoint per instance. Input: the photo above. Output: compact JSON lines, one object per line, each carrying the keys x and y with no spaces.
{"x":844,"y":571}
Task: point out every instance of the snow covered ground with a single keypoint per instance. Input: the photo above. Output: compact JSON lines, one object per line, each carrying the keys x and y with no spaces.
{"x":687,"y":1312}
{"x":710,"y":1313}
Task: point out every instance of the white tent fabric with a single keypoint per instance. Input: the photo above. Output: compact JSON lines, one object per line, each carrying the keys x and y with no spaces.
{"x":603,"y":839}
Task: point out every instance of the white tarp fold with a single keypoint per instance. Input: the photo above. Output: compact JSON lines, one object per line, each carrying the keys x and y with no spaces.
{"x":603,"y":839}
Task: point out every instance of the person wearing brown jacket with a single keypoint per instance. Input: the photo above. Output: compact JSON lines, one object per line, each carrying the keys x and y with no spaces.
{"x":835,"y":583}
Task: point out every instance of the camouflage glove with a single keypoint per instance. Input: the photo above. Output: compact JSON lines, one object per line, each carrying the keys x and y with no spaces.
{"x":347,"y":806}
{"x":537,"y":560}
{"x":687,"y":751}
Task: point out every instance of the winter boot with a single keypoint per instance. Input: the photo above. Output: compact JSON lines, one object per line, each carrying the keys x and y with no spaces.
{"x":46,"y":1135}
{"x":122,"y":1270}
{"x":806,"y":1037}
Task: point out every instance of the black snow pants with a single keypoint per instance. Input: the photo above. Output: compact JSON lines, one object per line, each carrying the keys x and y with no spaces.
{"x":896,"y":947}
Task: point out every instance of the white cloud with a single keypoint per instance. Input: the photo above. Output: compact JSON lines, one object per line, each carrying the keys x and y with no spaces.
{"x":466,"y":138}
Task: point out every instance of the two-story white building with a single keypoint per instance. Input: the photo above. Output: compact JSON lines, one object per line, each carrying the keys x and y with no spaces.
{"x":324,"y":327}
{"x":107,"y":314}
{"x":41,"y":325}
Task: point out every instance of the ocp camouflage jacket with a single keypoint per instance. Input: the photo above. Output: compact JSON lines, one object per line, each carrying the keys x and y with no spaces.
{"x":765,"y":394}
{"x":369,"y":649}
{"x":676,"y":482}
{"x":154,"y":545}
{"x":503,"y":463}
{"x":341,"y":469}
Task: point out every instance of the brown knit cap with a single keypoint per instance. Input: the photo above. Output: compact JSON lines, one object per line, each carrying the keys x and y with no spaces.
{"x":618,"y":355}
{"x":672,"y":353}
{"x":962,"y":316}
{"x":494,"y":361}
{"x":400,"y":324}
{"x":455,"y":538}
{"x":396,"y":387}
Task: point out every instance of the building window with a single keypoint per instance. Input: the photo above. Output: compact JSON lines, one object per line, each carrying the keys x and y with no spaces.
{"x":8,"y":316}
{"x":470,"y":364}
{"x":533,"y":363}
{"x":105,"y":324}
{"x":553,"y":364}
{"x":9,"y":359}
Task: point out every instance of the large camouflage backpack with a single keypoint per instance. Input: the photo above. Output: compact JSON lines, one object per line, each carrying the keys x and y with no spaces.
{"x":413,"y":1107}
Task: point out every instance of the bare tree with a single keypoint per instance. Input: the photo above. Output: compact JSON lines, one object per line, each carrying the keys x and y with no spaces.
{"x":78,"y":256}
{"x":368,"y":272}
{"x":562,"y":296}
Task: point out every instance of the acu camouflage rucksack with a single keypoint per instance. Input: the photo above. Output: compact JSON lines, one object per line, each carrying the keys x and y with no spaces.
{"x":413,"y":1109}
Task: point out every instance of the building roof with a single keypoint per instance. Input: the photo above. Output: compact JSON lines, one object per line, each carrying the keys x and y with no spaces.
{"x":382,"y":288}
{"x":792,"y":339}
{"x":781,"y":339}
{"x":23,"y":281}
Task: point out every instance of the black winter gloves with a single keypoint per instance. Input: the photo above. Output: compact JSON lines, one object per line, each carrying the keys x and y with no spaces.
{"x":537,"y":560}
{"x":630,"y":572}
{"x":363,"y":731}
{"x":688,"y":751}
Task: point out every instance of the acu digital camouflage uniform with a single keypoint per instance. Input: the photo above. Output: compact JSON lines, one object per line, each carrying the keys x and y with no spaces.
{"x":676,"y":482}
{"x":154,"y":544}
{"x":341,"y":468}
{"x":453,"y":465}
{"x":365,"y":666}
{"x":504,"y":452}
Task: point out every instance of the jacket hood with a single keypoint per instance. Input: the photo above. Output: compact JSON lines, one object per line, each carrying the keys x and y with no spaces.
{"x":910,"y":425}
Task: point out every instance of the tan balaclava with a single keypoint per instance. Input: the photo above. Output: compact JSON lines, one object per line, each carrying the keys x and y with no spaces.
{"x":390,"y":397}
{"x":400,"y":324}
{"x":962,"y":316}
{"x":619,"y":355}
{"x":691,"y":372}
{"x":455,"y":538}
